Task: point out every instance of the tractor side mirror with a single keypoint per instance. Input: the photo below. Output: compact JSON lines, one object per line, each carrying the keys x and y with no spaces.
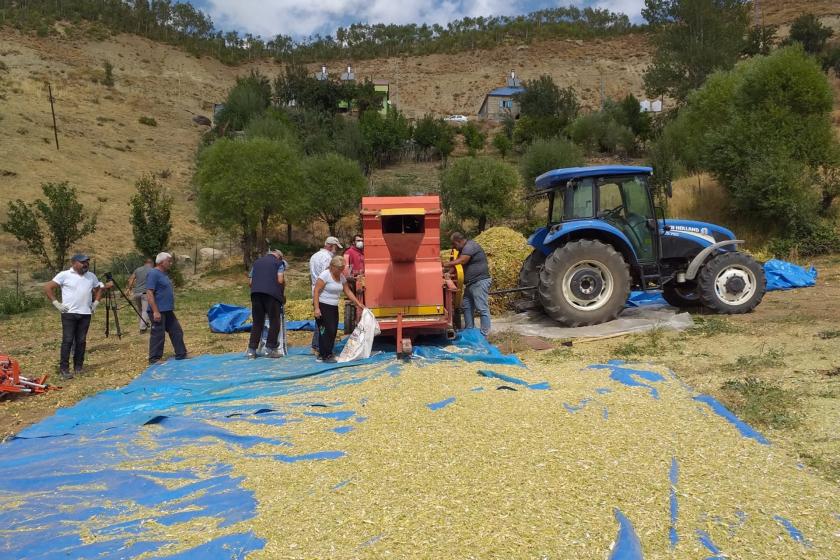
{"x":669,"y":190}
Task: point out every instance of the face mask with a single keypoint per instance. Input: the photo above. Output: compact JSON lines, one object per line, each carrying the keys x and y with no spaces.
{"x":360,"y":244}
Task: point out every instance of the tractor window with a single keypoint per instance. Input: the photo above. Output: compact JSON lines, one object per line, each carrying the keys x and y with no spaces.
{"x":609,"y":198}
{"x":558,"y":206}
{"x":581,"y":200}
{"x":635,"y":193}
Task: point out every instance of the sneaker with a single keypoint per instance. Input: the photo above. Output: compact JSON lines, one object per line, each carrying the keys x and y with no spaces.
{"x":78,"y":370}
{"x":319,"y":359}
{"x":330,"y":360}
{"x":276,"y":353}
{"x":65,"y":374}
{"x":251,"y":354}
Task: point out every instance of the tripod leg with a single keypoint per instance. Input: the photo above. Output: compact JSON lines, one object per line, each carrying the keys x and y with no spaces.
{"x":107,"y":316}
{"x":117,"y":321}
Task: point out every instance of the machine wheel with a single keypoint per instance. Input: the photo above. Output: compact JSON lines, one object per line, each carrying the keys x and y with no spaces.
{"x":584,"y":283}
{"x":529,"y":274}
{"x":349,"y":317}
{"x":731,"y":283}
{"x":681,"y":295}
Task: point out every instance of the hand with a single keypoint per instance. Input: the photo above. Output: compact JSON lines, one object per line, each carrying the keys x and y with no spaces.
{"x":93,"y":307}
{"x":317,"y":313}
{"x":156,"y":316}
{"x":62,"y":307}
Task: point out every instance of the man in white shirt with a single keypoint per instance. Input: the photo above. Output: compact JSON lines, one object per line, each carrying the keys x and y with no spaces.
{"x":318,"y":263}
{"x":80,"y":294}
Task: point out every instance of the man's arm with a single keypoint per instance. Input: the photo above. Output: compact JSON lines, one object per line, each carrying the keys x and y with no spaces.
{"x":49,"y":289}
{"x":462,"y":260}
{"x":281,"y":278}
{"x":150,"y":297}
{"x":130,"y":284}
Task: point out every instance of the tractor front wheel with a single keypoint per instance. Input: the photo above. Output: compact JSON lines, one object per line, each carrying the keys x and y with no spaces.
{"x":732,"y":283}
{"x":584,"y":283}
{"x":681,"y":295}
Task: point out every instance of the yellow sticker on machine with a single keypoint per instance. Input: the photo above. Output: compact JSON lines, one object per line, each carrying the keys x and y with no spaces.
{"x":418,"y":310}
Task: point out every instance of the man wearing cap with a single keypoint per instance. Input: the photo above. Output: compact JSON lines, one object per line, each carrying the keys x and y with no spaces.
{"x":80,"y":294}
{"x":318,"y":263}
{"x":161,"y":298}
{"x":268,"y":285}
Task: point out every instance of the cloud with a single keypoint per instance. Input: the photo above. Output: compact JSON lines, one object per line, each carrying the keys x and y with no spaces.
{"x":301,"y":18}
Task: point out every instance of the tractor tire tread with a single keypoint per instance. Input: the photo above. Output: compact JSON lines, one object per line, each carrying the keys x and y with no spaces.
{"x":710,"y":270}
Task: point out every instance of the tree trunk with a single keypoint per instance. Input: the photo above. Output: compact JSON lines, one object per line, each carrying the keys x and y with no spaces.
{"x":331,"y":225}
{"x":289,"y":233}
{"x":263,"y":242}
{"x":827,"y":201}
{"x":482,"y":223}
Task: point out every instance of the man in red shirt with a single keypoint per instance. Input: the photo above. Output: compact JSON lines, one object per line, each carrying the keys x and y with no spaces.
{"x":354,"y":257}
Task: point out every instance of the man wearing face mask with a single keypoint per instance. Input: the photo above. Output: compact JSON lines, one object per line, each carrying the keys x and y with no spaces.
{"x":80,"y":294}
{"x":318,"y":263}
{"x":354,"y":256}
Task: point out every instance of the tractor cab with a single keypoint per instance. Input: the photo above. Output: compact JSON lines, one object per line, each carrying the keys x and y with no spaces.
{"x":603,"y":238}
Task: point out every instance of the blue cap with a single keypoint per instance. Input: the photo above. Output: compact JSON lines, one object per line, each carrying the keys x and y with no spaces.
{"x":80,"y":257}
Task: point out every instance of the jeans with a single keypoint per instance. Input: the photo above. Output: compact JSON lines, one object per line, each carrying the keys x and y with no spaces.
{"x":262,"y":305}
{"x":142,"y":305}
{"x":74,"y":328}
{"x":168,"y":324}
{"x":476,"y":296}
{"x":327,"y":329}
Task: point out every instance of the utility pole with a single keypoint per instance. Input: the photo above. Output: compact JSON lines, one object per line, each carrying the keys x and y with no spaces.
{"x":52,"y":108}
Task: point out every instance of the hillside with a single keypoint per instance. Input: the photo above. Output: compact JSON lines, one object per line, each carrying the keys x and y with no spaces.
{"x":104,"y":148}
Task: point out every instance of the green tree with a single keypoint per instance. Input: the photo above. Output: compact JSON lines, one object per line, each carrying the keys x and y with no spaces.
{"x":243,"y":184}
{"x":694,"y":39}
{"x":151,"y":213}
{"x":503,"y":144}
{"x":445,"y":142}
{"x":248,"y":98}
{"x":764,"y":131}
{"x":545,"y":155}
{"x":600,"y":132}
{"x":49,"y":228}
{"x":384,"y":136}
{"x":335,"y":186}
{"x":274,"y":125}
{"x":760,"y":40}
{"x":813,"y":35}
{"x":480,"y":189}
{"x":542,"y":98}
{"x":473,"y":138}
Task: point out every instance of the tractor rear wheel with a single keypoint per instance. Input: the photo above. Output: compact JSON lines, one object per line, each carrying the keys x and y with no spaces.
{"x":731,"y":283}
{"x":584,"y":283}
{"x":681,"y":295}
{"x":529,"y":274}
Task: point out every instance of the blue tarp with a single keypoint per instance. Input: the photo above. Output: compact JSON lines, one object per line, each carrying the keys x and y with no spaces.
{"x":782,"y":275}
{"x":95,"y":479}
{"x":226,"y":319}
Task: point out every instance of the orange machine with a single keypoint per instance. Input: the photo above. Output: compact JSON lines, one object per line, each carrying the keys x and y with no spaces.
{"x":403,"y":282}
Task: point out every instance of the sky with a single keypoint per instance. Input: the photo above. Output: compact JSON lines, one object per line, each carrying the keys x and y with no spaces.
{"x":300,"y":18}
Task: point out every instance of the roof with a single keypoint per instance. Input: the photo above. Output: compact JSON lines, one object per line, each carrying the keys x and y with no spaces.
{"x":550,"y":179}
{"x":505,"y":91}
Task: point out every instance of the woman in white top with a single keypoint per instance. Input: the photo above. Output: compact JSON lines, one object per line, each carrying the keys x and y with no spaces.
{"x":328,"y":288}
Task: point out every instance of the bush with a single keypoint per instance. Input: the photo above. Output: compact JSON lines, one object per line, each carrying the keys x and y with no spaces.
{"x":148,"y":121}
{"x":600,"y":132}
{"x":502,"y":144}
{"x":108,"y":80}
{"x":809,"y":240}
{"x":473,"y":138}
{"x":13,"y":301}
{"x":392,"y":189}
{"x":545,"y":155}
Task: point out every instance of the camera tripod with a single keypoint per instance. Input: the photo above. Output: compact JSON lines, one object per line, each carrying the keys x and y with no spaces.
{"x":111,"y":306}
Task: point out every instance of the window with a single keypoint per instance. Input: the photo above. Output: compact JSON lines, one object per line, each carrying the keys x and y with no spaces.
{"x":557,"y":213}
{"x":506,"y":103}
{"x":581,"y":200}
{"x":610,"y":198}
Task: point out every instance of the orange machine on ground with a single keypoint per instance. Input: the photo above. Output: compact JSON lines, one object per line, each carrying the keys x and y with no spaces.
{"x":403,"y":283}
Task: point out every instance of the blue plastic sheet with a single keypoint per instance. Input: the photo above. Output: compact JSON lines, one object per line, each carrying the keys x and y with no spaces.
{"x":640,"y":299}
{"x":224,"y":318}
{"x":627,"y":545}
{"x":782,"y":275}
{"x":77,"y":473}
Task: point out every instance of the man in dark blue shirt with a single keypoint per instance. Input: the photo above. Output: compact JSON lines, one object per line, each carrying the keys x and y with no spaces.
{"x":161,"y":298}
{"x":267,"y":281}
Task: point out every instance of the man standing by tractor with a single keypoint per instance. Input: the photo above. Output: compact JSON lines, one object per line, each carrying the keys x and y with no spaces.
{"x":354,"y":256}
{"x":476,"y":280}
{"x":318,"y":263}
{"x":268,"y":285}
{"x":137,"y":287}
{"x":80,"y":294}
{"x":161,"y":297}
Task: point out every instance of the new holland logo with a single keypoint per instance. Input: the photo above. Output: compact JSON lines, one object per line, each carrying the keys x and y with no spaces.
{"x":691,"y":229}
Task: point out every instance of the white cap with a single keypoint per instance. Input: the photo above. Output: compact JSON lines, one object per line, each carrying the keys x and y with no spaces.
{"x":333,"y":241}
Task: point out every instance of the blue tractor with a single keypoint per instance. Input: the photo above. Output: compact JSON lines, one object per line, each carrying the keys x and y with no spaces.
{"x":604,"y":238}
